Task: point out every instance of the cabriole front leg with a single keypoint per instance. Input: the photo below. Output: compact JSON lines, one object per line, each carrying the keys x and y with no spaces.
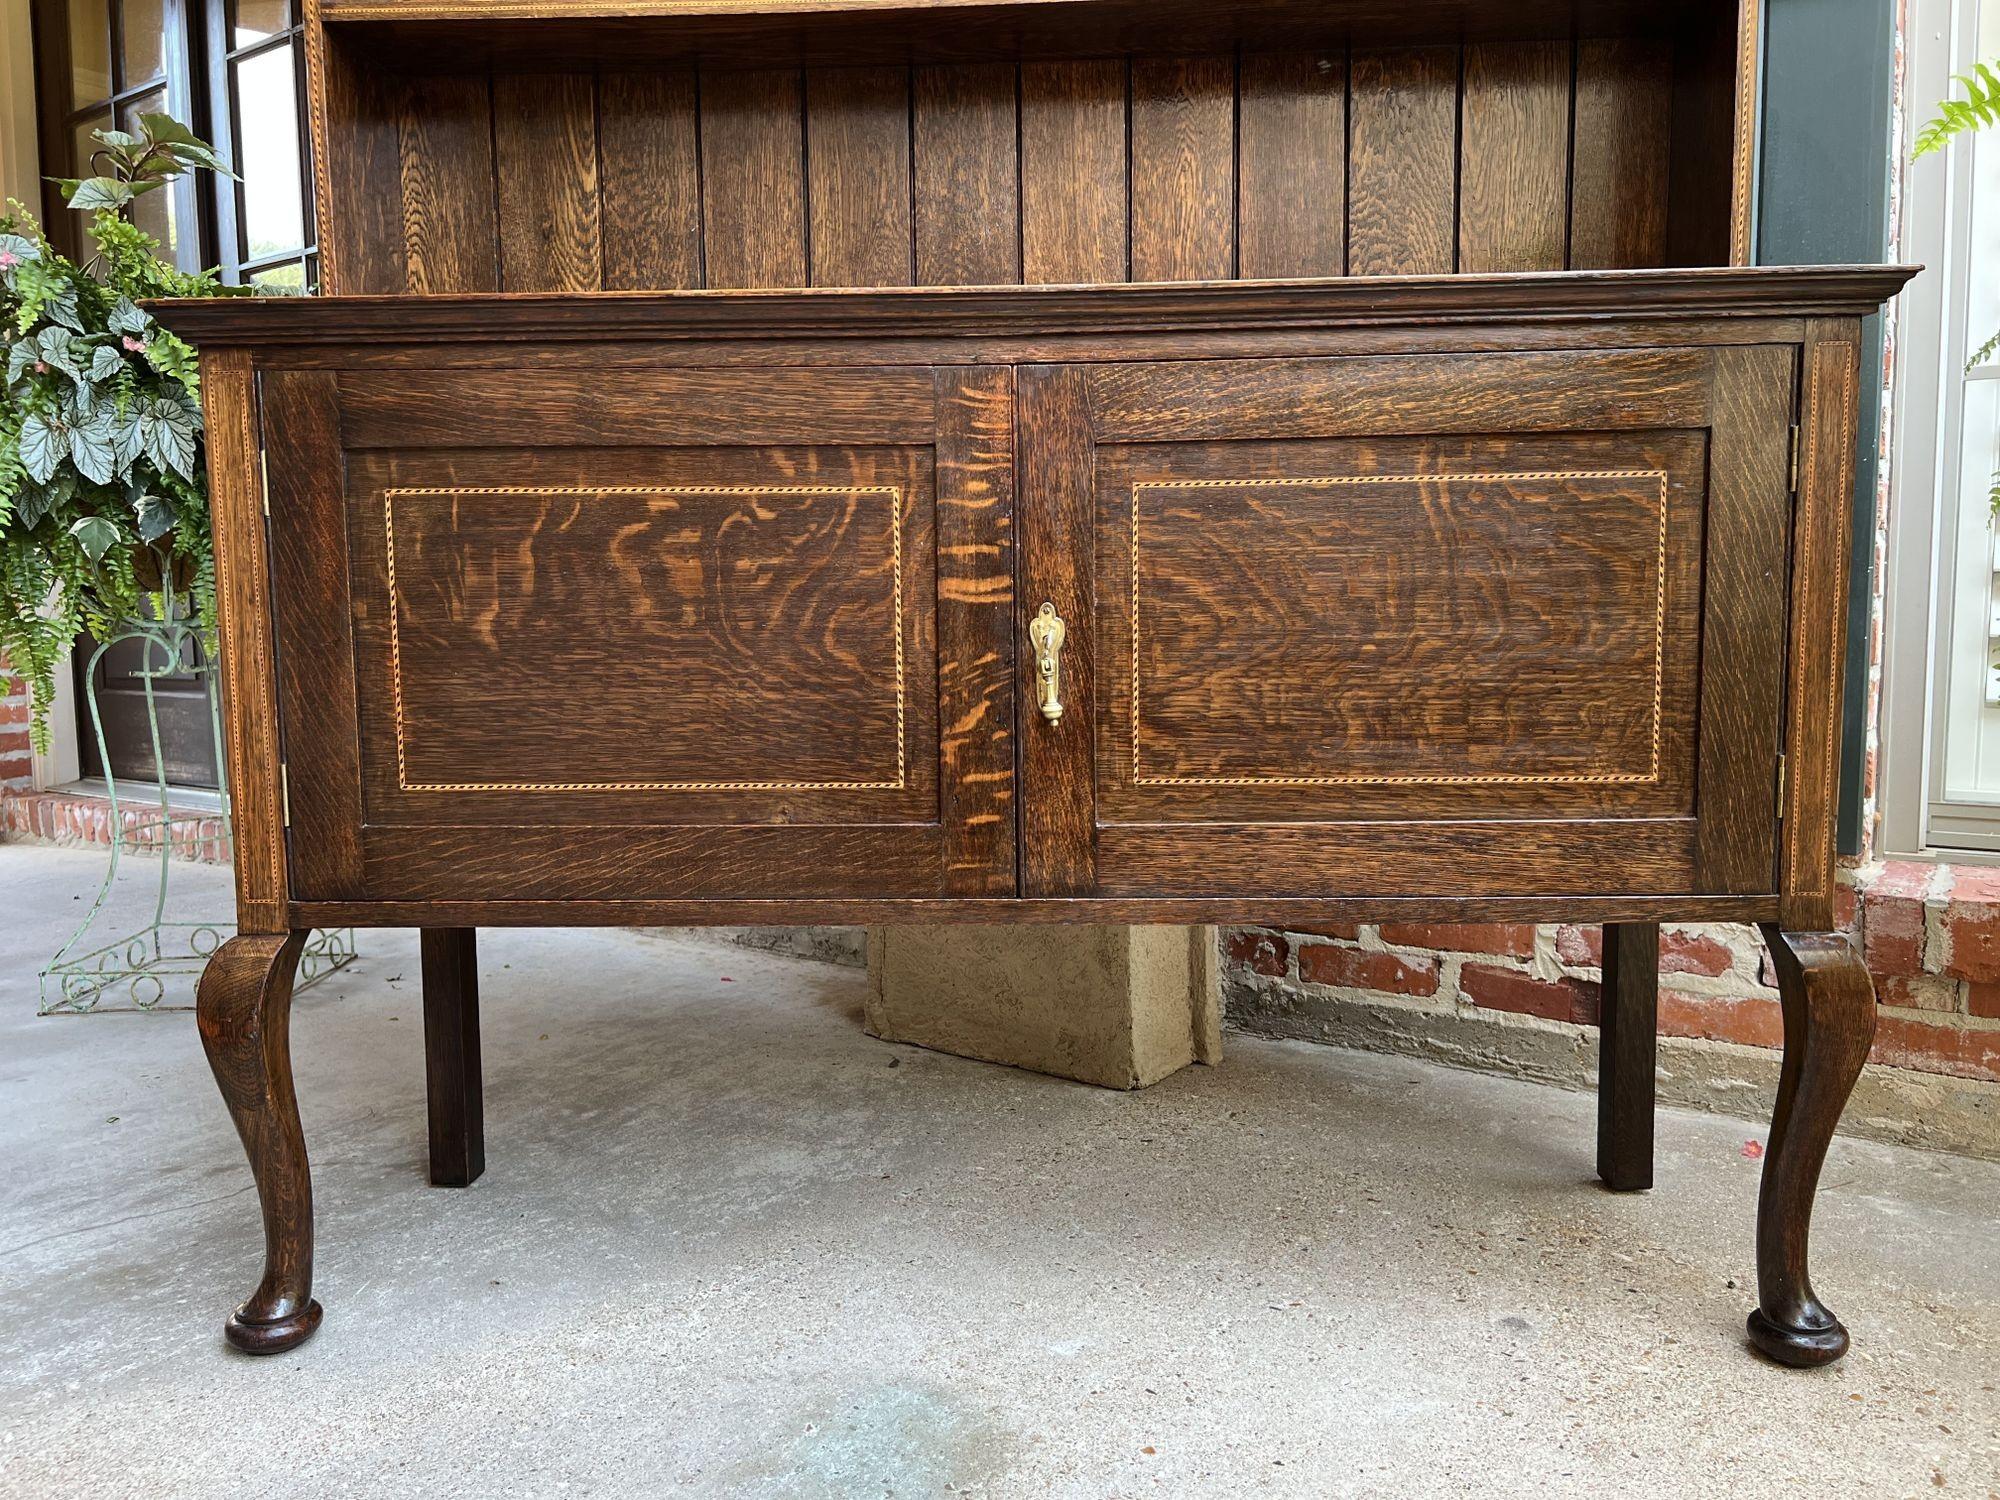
{"x":1829,"y":1006}
{"x":244,"y":1006}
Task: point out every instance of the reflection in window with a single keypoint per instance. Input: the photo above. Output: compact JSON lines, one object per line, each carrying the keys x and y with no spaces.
{"x":272,"y":193}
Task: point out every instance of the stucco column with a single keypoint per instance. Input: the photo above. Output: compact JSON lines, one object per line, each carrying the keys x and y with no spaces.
{"x":1121,"y":1007}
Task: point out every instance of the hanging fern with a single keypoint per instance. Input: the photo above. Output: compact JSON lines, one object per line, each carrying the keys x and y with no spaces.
{"x":1977,"y":111}
{"x":103,"y":494}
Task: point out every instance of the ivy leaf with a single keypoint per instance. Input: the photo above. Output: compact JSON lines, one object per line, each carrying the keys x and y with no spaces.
{"x":126,"y":317}
{"x":93,"y":448}
{"x":96,"y":535}
{"x":44,"y":445}
{"x":156,"y":517}
{"x":105,"y":363}
{"x":168,"y":435}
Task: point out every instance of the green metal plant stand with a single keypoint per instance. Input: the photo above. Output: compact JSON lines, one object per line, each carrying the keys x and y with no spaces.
{"x":144,"y":968}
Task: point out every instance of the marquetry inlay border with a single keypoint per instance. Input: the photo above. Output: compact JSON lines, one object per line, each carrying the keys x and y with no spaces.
{"x":1584,"y":778}
{"x":895,"y":497}
{"x":1743,"y":147}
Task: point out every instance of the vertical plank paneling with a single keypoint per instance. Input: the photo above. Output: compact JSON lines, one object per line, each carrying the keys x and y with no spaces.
{"x":1292,"y":145}
{"x":1820,"y":543}
{"x":1184,"y":169}
{"x":1058,"y":489}
{"x":249,"y":675}
{"x":1073,"y":179}
{"x":447,"y":170}
{"x":967,"y":176}
{"x":545,"y":135}
{"x":1402,"y":168}
{"x":354,"y":123}
{"x":652,"y":180}
{"x":858,"y":175}
{"x":1624,"y":136}
{"x":753,"y":178}
{"x":314,"y":630}
{"x":975,"y":568}
{"x":1514,"y":171}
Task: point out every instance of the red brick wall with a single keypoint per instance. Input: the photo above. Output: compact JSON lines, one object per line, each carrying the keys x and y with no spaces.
{"x":16,"y":762}
{"x":1930,"y":933}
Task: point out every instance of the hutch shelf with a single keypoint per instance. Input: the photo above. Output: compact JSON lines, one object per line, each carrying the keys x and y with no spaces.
{"x":1068,"y":460}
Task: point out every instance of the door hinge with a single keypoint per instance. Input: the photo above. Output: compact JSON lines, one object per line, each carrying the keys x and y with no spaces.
{"x":264,"y":475}
{"x":285,"y":790}
{"x":1798,"y":444}
{"x":1781,"y":789}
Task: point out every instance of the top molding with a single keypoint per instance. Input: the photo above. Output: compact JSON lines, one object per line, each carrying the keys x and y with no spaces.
{"x":1171,"y":307}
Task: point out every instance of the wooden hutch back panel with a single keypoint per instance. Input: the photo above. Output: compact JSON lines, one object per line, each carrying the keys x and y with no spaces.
{"x":1296,"y":141}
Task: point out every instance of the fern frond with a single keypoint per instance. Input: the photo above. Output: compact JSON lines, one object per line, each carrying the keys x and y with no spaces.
{"x":1978,"y":110}
{"x":1983,"y":353}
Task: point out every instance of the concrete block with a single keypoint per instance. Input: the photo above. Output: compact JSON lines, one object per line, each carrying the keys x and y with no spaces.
{"x":1120,"y":1007}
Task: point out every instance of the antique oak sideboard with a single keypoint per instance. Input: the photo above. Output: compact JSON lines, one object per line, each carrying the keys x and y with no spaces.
{"x":1449,"y":530}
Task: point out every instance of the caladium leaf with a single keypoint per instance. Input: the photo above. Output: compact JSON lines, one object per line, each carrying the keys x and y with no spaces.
{"x":57,"y":349}
{"x":93,"y":448}
{"x":44,"y":445}
{"x":168,"y":435}
{"x":128,"y":439}
{"x":126,"y":317}
{"x":93,"y":193}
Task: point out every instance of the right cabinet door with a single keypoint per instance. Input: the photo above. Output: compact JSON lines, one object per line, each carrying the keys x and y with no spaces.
{"x":1500,"y":624}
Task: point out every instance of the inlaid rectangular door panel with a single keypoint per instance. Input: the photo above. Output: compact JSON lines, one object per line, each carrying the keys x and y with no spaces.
{"x":686,"y":635}
{"x":1409,"y":625}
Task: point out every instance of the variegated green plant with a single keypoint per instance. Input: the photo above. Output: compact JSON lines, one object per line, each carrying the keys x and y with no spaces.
{"x":103,"y":497}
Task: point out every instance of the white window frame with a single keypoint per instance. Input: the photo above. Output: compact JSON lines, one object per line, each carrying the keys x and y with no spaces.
{"x":1940,"y":561}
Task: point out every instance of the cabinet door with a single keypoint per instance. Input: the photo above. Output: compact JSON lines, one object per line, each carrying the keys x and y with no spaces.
{"x":671,"y":633}
{"x":1502,"y":624}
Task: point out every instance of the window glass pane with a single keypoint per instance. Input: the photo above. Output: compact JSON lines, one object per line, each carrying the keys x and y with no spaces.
{"x":158,"y":212}
{"x":257,"y":20}
{"x":289,"y":278}
{"x":142,"y":41}
{"x":268,"y":128}
{"x":84,"y":145}
{"x":89,"y":51}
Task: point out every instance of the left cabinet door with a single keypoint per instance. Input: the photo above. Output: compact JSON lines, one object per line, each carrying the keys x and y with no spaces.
{"x":666,"y":633}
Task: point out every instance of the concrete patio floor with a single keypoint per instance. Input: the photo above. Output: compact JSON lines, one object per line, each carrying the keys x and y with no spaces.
{"x":729,"y":1245}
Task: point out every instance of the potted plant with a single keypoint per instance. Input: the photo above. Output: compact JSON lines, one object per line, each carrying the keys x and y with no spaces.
{"x":103,"y":493}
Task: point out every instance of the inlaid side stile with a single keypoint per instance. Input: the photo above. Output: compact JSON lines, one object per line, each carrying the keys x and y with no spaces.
{"x":1820,"y":545}
{"x":249,"y":677}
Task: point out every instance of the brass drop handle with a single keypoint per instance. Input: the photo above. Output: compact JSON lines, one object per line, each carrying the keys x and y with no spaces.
{"x":1046,"y":633}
